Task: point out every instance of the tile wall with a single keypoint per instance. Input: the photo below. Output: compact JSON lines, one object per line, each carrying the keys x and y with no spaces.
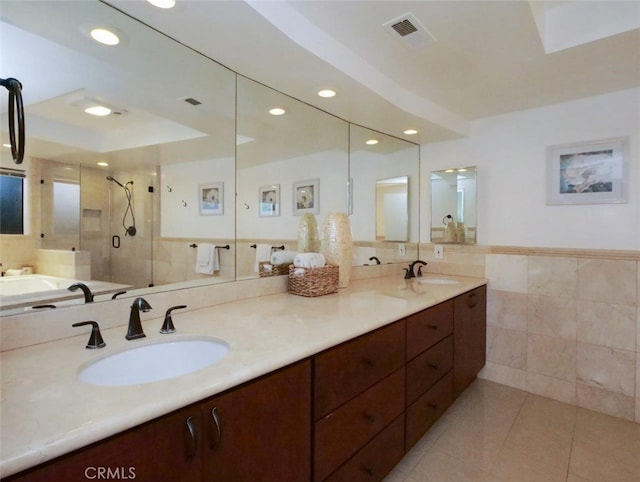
{"x":564,"y":324}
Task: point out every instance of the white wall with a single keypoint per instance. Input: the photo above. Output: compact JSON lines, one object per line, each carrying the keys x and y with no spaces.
{"x":510,"y":152}
{"x":182,"y":221}
{"x":330,"y":167}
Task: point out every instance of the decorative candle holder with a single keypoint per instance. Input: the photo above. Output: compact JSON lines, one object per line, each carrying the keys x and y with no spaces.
{"x":308,"y":239}
{"x":336,"y":245}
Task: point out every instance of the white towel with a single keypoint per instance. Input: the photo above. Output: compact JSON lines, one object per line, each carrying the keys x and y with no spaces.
{"x":309,"y":260}
{"x":206,"y":259}
{"x":283,"y":257}
{"x":263,"y":253}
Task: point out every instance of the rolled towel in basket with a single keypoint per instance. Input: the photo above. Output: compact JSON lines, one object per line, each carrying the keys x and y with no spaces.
{"x":283,"y":257}
{"x":309,"y":260}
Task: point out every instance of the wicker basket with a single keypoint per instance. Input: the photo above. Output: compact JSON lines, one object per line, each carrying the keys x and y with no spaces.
{"x":313,"y":281}
{"x":276,"y":269}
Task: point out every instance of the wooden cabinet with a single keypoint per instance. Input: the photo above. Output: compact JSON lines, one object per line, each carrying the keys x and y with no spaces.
{"x":375,"y":459}
{"x":346,"y":370}
{"x":470,"y":337}
{"x":427,"y":327}
{"x":168,"y":448}
{"x":358,"y":406}
{"x":429,"y":368}
{"x":358,"y":391}
{"x":261,"y":431}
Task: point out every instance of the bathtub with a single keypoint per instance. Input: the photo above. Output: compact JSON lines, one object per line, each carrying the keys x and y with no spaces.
{"x":25,"y":291}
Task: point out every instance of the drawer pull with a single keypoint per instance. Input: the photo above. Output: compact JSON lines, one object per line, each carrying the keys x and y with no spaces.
{"x":433,"y":406}
{"x":368,"y":471}
{"x":432,"y":327}
{"x":369,"y":418}
{"x":218,"y":433}
{"x":433,"y":366}
{"x":192,"y":441}
{"x":367,"y":362}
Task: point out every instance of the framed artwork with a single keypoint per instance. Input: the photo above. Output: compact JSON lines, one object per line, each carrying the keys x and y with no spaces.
{"x":211,"y":198}
{"x":306,"y":197}
{"x":269,"y":199}
{"x":588,"y":173}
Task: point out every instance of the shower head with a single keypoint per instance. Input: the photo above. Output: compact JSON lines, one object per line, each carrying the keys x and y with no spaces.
{"x":110,"y":178}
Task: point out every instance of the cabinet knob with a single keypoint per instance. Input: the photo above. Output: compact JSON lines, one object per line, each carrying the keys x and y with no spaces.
{"x":434,"y":406}
{"x":433,"y":366}
{"x":369,"y":418}
{"x":368,"y":471}
{"x":432,"y":327}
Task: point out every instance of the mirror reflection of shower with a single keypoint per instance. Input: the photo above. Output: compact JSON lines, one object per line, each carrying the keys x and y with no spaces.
{"x":131,"y":229}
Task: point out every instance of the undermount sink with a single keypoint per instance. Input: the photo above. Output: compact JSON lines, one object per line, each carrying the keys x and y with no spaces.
{"x":154,"y":362}
{"x":438,"y":281}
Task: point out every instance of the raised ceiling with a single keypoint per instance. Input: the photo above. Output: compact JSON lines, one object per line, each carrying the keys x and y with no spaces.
{"x":484,"y":58}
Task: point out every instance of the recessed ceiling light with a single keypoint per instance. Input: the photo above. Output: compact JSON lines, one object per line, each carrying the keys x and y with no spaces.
{"x":102,"y":164}
{"x":450,"y":170}
{"x":327,"y":93}
{"x":163,"y":3}
{"x":6,"y":145}
{"x":104,"y":36}
{"x":98,"y":110}
{"x":462,"y":170}
{"x":410,"y":132}
{"x":372,"y":142}
{"x":276,"y":111}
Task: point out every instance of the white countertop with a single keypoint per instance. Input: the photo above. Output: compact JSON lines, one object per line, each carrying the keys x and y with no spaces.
{"x":46,"y":411}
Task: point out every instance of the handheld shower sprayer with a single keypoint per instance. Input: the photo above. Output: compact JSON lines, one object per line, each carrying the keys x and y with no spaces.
{"x":110,"y":178}
{"x":128,"y":230}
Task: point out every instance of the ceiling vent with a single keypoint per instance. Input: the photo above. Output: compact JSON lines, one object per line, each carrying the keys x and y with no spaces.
{"x":409,"y":30}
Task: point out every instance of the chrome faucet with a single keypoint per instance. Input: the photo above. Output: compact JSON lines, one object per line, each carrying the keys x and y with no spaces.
{"x":88,"y":296}
{"x":135,"y":327}
{"x":410,"y":273}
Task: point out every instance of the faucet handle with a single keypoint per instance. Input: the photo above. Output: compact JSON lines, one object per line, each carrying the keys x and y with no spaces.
{"x":167,"y":326}
{"x":95,"y":340}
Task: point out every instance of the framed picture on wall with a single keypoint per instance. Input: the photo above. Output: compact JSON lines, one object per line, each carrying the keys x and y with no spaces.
{"x":211,"y":198}
{"x":269,"y":199}
{"x":588,"y":173}
{"x":306,"y":197}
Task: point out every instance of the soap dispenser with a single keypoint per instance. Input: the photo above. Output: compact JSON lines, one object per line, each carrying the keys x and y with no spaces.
{"x":450,"y":229}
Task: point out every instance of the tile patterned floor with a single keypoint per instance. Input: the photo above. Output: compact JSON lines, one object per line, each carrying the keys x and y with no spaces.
{"x":497,"y":433}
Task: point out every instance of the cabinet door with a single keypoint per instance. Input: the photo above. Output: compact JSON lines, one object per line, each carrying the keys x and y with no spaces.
{"x":168,"y":448}
{"x":469,"y":337}
{"x":261,"y":431}
{"x":427,"y":327}
{"x":343,"y":372}
{"x":342,"y":433}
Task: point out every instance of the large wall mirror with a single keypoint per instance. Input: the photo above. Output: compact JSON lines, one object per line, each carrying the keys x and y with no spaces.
{"x":132,"y":201}
{"x":384,"y":180}
{"x":290,"y":161}
{"x":453,"y":206}
{"x":120,"y":200}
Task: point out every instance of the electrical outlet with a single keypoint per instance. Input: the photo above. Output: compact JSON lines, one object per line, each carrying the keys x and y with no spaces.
{"x":402,"y":250}
{"x":438,"y":251}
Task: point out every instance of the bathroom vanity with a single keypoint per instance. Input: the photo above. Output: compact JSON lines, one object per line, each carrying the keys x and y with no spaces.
{"x":340,"y":394}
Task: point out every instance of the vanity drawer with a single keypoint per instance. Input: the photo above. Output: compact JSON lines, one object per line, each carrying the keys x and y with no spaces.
{"x":427,"y":409}
{"x":428,"y":327}
{"x":377,"y":458}
{"x":343,"y":372}
{"x":427,"y":368}
{"x":342,"y":433}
